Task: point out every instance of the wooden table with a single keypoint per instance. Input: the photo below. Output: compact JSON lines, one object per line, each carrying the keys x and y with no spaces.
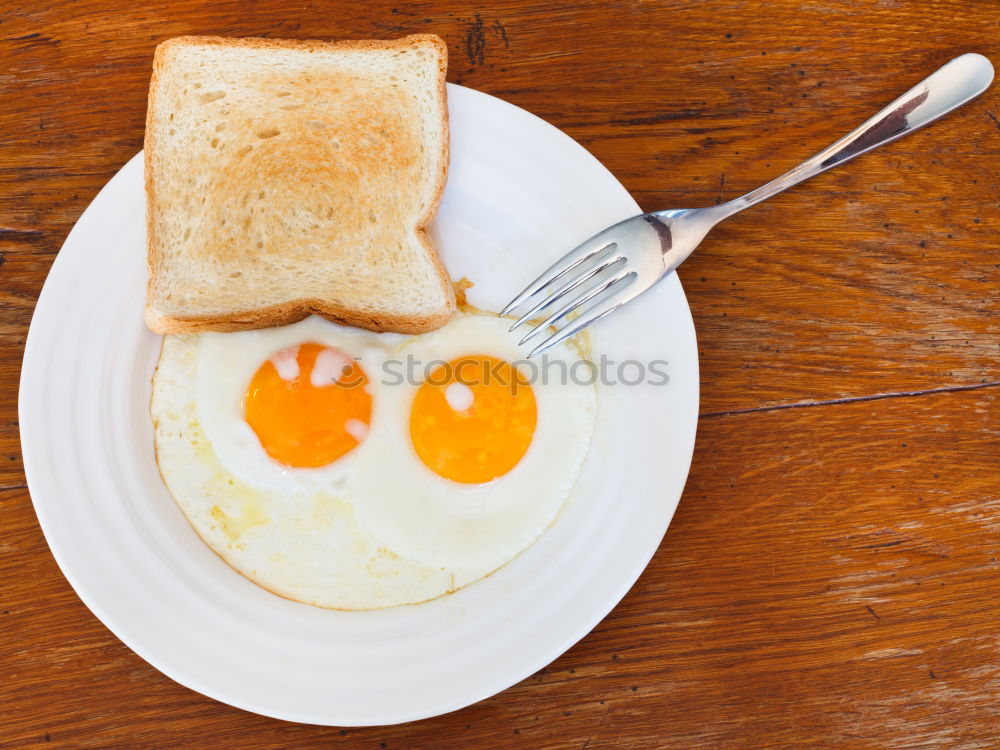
{"x":831,"y":577}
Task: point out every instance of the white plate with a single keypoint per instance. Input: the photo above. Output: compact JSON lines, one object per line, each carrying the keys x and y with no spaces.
{"x":519,"y":194}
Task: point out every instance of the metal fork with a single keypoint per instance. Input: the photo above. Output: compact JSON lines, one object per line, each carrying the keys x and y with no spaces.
{"x":618,"y":264}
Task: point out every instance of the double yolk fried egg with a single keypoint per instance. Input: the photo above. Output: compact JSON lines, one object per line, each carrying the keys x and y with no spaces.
{"x":355,"y":470}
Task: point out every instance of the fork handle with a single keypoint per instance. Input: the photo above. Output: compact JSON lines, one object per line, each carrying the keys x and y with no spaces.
{"x":951,"y":86}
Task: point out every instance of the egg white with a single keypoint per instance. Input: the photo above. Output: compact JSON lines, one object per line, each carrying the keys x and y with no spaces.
{"x":472,"y":529}
{"x":376,"y":528}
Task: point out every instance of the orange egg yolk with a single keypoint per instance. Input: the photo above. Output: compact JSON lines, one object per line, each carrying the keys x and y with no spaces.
{"x":473,"y":419}
{"x":309,"y":405}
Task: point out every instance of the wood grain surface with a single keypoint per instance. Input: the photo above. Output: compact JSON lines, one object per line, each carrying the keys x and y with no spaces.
{"x":831,"y":576}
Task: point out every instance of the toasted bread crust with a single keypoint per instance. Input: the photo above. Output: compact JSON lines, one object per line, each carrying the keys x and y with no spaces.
{"x":295,"y":310}
{"x":292,"y":312}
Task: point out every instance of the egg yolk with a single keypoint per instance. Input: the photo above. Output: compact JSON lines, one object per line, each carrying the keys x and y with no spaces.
{"x":473,"y":419}
{"x":309,"y":405}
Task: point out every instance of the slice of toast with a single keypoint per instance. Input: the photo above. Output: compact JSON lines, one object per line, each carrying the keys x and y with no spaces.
{"x":286,"y":178}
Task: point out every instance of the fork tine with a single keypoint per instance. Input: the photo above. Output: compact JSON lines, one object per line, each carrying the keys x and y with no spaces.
{"x":576,"y":303}
{"x":566,"y":309}
{"x":574,"y":283}
{"x":582,"y":252}
{"x":595,"y":313}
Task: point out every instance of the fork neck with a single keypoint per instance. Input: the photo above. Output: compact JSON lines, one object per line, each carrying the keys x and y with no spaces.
{"x":707,"y":216}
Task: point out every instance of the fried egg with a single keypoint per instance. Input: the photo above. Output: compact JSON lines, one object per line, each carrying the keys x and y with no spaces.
{"x":355,"y":470}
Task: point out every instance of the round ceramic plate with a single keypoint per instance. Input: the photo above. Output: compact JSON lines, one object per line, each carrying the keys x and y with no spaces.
{"x":520,"y":193}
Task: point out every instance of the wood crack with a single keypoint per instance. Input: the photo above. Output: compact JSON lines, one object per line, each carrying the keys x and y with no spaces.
{"x":14,"y":233}
{"x":852,"y":399}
